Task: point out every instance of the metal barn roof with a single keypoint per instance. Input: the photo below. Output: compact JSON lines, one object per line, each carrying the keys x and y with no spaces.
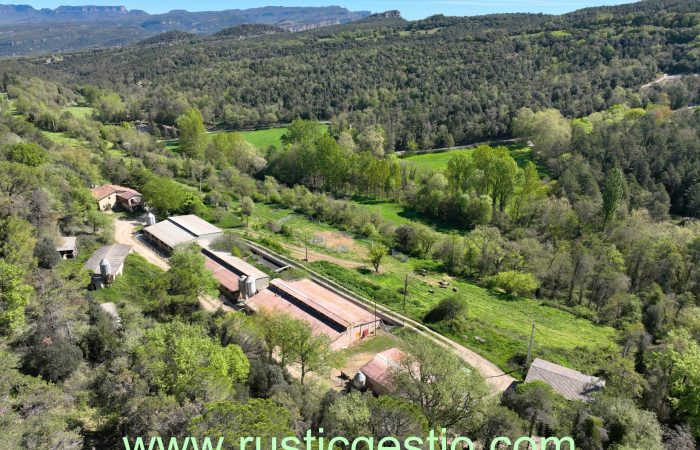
{"x":115,"y":254}
{"x":569,"y":383}
{"x":195,"y":225}
{"x":169,"y":233}
{"x":66,"y":243}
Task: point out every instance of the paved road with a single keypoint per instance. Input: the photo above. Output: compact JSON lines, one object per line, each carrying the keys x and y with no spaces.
{"x":125,"y":233}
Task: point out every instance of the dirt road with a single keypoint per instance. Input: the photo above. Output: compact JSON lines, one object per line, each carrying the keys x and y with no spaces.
{"x":125,"y":233}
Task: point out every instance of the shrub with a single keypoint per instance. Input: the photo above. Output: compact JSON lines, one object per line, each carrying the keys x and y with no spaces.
{"x":46,"y":254}
{"x":513,"y":282}
{"x":450,"y":308}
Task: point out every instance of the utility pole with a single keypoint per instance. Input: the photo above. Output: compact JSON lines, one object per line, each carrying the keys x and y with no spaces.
{"x":306,"y":248}
{"x":529,"y":347}
{"x":375,"y":316}
{"x":405,"y":293}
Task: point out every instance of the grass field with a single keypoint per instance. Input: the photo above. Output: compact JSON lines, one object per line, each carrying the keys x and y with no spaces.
{"x":62,"y":139}
{"x":498,"y":327}
{"x":81,"y":112}
{"x":262,"y":139}
{"x":438,"y":161}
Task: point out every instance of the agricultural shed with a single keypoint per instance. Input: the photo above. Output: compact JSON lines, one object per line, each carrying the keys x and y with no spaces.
{"x":378,"y":370}
{"x":328,"y":313}
{"x":67,"y":247}
{"x":569,"y":383}
{"x":107,"y":263}
{"x":178,"y":230}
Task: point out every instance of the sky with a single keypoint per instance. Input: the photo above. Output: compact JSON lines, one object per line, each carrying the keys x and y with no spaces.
{"x":412,"y":9}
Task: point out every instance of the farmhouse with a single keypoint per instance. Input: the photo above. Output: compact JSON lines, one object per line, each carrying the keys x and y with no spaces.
{"x":328,"y":313}
{"x":236,"y":277}
{"x":67,"y":247}
{"x":111,"y":195}
{"x":569,"y":383}
{"x":376,"y":374}
{"x":178,"y":230}
{"x":106,"y":264}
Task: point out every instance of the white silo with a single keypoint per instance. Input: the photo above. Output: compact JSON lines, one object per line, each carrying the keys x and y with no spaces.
{"x":359,"y":380}
{"x":150,"y":219}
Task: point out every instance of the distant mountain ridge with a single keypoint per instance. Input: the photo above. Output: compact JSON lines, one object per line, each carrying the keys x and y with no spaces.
{"x":27,"y":14}
{"x":25,"y":30}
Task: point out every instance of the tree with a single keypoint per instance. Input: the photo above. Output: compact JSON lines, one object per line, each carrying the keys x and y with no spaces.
{"x":164,"y":194}
{"x":612,"y":195}
{"x":247,"y":208}
{"x":681,"y":361}
{"x":110,"y":108}
{"x":536,"y":403}
{"x":14,"y":296}
{"x":188,"y":276}
{"x":514,"y":282}
{"x":181,"y":360}
{"x":302,"y":131}
{"x":50,"y":354}
{"x":395,"y":417}
{"x":97,"y":220}
{"x":311,"y":352}
{"x":448,"y":393}
{"x":548,"y":129}
{"x":46,"y":254}
{"x":29,"y":154}
{"x":376,"y":254}
{"x":349,"y":416}
{"x":17,"y":242}
{"x":235,"y":420}
{"x":193,"y":134}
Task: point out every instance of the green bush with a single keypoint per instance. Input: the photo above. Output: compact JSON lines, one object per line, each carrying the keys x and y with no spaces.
{"x":513,"y":282}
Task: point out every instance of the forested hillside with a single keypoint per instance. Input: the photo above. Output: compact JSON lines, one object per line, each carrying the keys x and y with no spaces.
{"x":581,"y":228}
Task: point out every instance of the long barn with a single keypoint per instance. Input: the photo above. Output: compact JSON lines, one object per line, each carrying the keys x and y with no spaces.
{"x":328,"y":313}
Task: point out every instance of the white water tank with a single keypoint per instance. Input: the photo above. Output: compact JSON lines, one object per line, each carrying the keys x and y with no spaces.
{"x":104,"y":268}
{"x":150,"y":219}
{"x":250,"y":287}
{"x":359,"y":380}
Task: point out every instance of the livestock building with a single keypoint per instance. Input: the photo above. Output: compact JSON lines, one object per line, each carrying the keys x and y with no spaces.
{"x":111,"y":195}
{"x":178,"y":230}
{"x":106,"y":264}
{"x":376,"y":374}
{"x":328,"y":313}
{"x":237,"y":278}
{"x":568,"y":383}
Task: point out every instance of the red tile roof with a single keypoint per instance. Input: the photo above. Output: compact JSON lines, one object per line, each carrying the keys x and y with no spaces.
{"x":101,"y":192}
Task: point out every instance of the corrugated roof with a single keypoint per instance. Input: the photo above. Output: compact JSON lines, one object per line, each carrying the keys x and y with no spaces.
{"x":569,"y":383}
{"x":115,"y":254}
{"x":235,"y":264}
{"x":195,"y":225}
{"x":379,"y":368}
{"x":66,"y":243}
{"x":226,"y":278}
{"x":268,"y":301}
{"x":169,"y":233}
{"x":335,"y":307}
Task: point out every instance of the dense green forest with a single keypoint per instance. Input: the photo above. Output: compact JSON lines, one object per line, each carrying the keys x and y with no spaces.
{"x":591,"y":214}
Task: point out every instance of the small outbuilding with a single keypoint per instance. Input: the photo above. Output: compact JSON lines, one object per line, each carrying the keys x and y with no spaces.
{"x":67,"y":247}
{"x":569,"y":383}
{"x":106,"y":264}
{"x":110,"y":196}
{"x":376,"y":374}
